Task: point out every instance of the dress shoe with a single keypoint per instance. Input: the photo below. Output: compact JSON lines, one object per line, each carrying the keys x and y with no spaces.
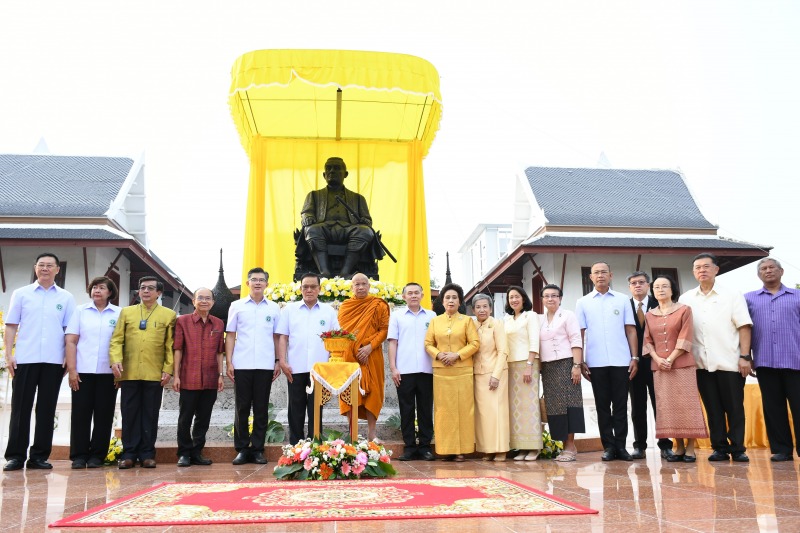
{"x":94,"y":462}
{"x":779,"y":457}
{"x":740,"y":457}
{"x":676,"y":458}
{"x":666,"y":453}
{"x":718,"y":456}
{"x":638,"y":454}
{"x":428,"y":456}
{"x":459,"y":458}
{"x":241,"y":458}
{"x":259,"y":459}
{"x":623,"y":455}
{"x":78,"y":464}
{"x":184,"y":460}
{"x":689,"y":458}
{"x":201,"y":460}
{"x":609,"y":454}
{"x":13,"y":464}
{"x":149,"y":463}
{"x":124,"y":464}
{"x":407,"y":456}
{"x":38,"y":464}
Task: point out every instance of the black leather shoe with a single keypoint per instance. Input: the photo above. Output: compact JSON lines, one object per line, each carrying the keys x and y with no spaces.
{"x":428,"y":456}
{"x":13,"y":464}
{"x":665,"y":454}
{"x":94,"y":462}
{"x":740,"y":457}
{"x":78,"y":464}
{"x":609,"y":454}
{"x":676,"y":458}
{"x":259,"y":459}
{"x":689,"y":458}
{"x":241,"y":458}
{"x":184,"y":460}
{"x":407,"y":456}
{"x":718,"y":456}
{"x":200,"y":460}
{"x":124,"y":464}
{"x":779,"y":457}
{"x":149,"y":463}
{"x":623,"y":455}
{"x":38,"y":464}
{"x":638,"y":454}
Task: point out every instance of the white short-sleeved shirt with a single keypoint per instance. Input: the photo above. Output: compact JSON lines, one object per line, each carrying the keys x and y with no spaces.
{"x":303,"y":327}
{"x":42,"y":314}
{"x":604,"y":317}
{"x":717,"y":317}
{"x":409,"y":329}
{"x":94,"y":329}
{"x":254,"y":324}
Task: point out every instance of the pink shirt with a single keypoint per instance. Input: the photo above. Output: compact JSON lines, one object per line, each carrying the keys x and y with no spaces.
{"x":559,"y":337}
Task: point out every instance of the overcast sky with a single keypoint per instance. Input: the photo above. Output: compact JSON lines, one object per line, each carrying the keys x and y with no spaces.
{"x":708,"y":88}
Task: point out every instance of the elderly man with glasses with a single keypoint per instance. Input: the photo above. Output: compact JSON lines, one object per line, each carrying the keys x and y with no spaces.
{"x":141,"y":360}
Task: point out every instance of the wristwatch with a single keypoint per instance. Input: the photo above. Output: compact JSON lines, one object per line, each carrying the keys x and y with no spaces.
{"x":747,"y":357}
{"x":529,"y":363}
{"x":576,"y":365}
{"x":635,"y":359}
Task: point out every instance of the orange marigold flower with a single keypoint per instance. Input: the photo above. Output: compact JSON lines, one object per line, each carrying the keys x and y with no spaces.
{"x":350,"y":450}
{"x":325,"y":471}
{"x":324,"y":448}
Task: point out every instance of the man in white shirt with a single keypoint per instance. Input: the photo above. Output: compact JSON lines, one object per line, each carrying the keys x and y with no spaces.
{"x":250,"y":348}
{"x":299,"y":348}
{"x":607,"y":326}
{"x":39,"y":312}
{"x":412,"y":373}
{"x":721,"y":349}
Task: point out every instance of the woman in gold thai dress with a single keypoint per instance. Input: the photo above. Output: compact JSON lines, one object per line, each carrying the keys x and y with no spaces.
{"x":452,"y":340}
{"x":490,"y":368}
{"x":522,"y":332}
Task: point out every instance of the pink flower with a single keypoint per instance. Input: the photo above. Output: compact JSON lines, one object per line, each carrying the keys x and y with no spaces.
{"x":358,"y":469}
{"x":361,"y":457}
{"x":333,"y":452}
{"x":346,"y":468}
{"x":304,"y":454}
{"x":308,"y":464}
{"x":384,"y":459}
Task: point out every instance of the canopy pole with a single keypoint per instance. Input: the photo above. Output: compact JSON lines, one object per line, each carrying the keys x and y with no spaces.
{"x":339,"y":114}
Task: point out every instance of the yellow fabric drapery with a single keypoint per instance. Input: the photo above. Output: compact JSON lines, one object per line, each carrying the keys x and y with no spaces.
{"x":291,"y":117}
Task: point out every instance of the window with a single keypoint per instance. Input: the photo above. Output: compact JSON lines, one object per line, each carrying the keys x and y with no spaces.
{"x":586,"y":281}
{"x":671,"y":272}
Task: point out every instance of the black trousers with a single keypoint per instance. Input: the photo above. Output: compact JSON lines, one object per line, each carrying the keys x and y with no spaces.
{"x":140,"y":402}
{"x":610,"y":387}
{"x":251,"y":388}
{"x":194,"y":405}
{"x":415,"y":398}
{"x":301,"y":405}
{"x":40,"y":380}
{"x":779,"y":385}
{"x":641,"y":386}
{"x":93,"y":404}
{"x":722,"y":393}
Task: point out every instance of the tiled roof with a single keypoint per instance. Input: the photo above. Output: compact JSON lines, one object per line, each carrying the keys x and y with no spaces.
{"x":613,"y":197}
{"x":56,"y":233}
{"x":717,"y":243}
{"x":67,"y":186}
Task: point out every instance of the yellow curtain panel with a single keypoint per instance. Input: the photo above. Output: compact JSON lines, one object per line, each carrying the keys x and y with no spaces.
{"x":294,"y":109}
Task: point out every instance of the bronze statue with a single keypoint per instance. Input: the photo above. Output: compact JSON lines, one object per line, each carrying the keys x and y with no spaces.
{"x":337,"y":229}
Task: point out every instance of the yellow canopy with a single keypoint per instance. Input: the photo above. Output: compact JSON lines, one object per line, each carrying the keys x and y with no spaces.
{"x":296,"y":108}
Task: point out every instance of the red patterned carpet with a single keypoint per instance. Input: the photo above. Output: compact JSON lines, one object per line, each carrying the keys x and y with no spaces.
{"x":302,"y":501}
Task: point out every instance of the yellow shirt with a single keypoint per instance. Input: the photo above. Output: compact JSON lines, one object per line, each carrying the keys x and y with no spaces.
{"x":452,"y":334}
{"x":523,"y":335}
{"x":492,"y":356}
{"x":146,"y":353}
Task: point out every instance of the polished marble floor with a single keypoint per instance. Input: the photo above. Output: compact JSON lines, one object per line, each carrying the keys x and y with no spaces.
{"x":648,"y":495}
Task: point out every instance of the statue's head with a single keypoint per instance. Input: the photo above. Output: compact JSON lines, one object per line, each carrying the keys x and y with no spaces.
{"x":335,"y":172}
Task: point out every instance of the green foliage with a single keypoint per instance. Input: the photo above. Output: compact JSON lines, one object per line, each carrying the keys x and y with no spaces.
{"x":275,"y":430}
{"x":394,"y":421}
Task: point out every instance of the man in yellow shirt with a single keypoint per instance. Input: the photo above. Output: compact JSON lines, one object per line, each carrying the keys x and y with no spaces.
{"x":141,"y":360}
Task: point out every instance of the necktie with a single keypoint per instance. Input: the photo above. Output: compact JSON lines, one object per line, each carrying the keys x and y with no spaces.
{"x":640,"y":314}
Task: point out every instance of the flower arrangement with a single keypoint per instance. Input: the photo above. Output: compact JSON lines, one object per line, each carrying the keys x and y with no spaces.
{"x":114,"y":451}
{"x":334,"y":290}
{"x":337,"y":334}
{"x":334,"y":458}
{"x":550,"y":448}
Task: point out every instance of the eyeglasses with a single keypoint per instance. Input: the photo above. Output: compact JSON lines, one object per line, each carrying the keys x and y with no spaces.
{"x":46,"y":266}
{"x":635,"y":283}
{"x":596,"y":272}
{"x":551,"y":297}
{"x":148,"y":288}
{"x":204,"y":299}
{"x":258,"y":280}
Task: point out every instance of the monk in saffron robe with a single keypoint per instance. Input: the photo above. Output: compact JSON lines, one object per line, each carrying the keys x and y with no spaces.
{"x":367,"y":317}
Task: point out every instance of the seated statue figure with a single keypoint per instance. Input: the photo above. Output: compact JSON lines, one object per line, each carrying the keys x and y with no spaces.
{"x":327,"y":222}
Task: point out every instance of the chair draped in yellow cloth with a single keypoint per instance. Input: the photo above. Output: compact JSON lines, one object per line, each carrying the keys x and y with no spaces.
{"x":294,"y":109}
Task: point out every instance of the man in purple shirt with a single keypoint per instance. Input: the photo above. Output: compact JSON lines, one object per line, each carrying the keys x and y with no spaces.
{"x":775,"y":310}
